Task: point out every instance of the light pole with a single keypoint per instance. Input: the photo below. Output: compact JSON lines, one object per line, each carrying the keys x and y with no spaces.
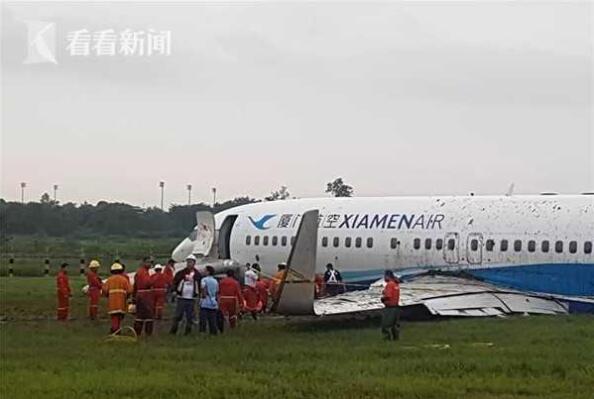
{"x":55,"y":192}
{"x":162,"y":185}
{"x":214,"y":196}
{"x":23,"y":185}
{"x":189,"y":187}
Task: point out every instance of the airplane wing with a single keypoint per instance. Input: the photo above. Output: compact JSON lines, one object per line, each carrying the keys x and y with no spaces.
{"x":443,"y":295}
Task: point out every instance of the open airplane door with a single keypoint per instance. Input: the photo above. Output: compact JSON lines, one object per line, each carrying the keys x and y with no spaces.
{"x":295,"y":295}
{"x":205,"y":233}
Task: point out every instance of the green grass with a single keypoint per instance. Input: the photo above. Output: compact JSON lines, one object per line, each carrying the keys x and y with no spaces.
{"x":522,"y":357}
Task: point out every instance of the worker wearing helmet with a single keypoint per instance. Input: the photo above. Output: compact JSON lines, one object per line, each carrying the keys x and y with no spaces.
{"x":186,"y":284}
{"x":94,"y":292}
{"x":117,"y":288}
{"x":160,"y":285}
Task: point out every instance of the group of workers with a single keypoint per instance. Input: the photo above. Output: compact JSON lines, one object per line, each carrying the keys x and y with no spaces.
{"x":220,"y":301}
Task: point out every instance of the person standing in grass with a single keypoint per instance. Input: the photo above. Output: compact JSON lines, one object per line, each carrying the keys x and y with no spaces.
{"x":144,"y":299}
{"x":186,"y":284}
{"x":117,"y":289}
{"x":64,"y":293}
{"x":391,"y":312}
{"x":169,"y":273}
{"x":230,"y":299}
{"x":94,"y":292}
{"x":209,"y":291}
{"x":160,"y":286}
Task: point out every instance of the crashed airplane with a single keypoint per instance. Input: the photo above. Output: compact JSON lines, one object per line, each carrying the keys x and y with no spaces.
{"x":456,"y":256}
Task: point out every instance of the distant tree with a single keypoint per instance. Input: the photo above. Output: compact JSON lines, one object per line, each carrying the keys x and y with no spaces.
{"x":45,"y":199}
{"x":281,"y":194}
{"x":339,"y":188}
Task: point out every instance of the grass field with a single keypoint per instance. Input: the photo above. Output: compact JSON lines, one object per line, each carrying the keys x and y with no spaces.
{"x":548,"y":357}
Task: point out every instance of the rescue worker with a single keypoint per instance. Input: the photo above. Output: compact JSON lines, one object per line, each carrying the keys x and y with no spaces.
{"x":144,"y":299}
{"x":391,"y":312}
{"x":160,"y":287}
{"x":209,"y":291}
{"x":64,"y":293}
{"x":94,"y":292}
{"x":276,"y":279}
{"x":261,"y":290}
{"x":230,"y":298}
{"x":250,"y":294}
{"x":186,"y":284}
{"x":117,"y":289}
{"x":169,"y":273}
{"x":332,"y":280}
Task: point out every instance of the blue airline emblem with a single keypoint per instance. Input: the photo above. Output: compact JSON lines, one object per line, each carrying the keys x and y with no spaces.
{"x":260,"y":223}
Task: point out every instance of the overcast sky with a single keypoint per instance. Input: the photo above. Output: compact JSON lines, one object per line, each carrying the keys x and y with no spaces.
{"x":397,"y":98}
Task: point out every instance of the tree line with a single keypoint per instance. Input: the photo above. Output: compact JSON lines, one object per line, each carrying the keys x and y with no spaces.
{"x":50,"y":218}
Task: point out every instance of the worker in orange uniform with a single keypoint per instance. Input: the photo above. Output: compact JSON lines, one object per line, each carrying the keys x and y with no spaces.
{"x":230,"y":298}
{"x":276,"y":279}
{"x":94,"y":292}
{"x":160,"y":286}
{"x":64,"y":293}
{"x":144,"y":299}
{"x":261,"y":290}
{"x":169,"y":273}
{"x":117,"y":288}
{"x":391,"y":312}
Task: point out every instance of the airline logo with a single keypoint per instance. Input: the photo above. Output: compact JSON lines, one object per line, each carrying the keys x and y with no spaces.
{"x":387,"y":221}
{"x":260,"y":224}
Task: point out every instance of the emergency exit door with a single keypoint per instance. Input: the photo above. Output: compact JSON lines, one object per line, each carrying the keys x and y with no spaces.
{"x":451,"y":248}
{"x":474,"y":248}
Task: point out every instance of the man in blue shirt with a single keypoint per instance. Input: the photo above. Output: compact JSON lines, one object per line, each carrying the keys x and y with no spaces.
{"x":209,"y":290}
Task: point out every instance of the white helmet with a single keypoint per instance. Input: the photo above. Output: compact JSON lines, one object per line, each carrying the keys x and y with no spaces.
{"x":158,"y":266}
{"x":191,"y":257}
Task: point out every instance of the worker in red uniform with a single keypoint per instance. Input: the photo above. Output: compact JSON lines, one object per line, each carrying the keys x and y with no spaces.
{"x":117,"y":289}
{"x":169,"y":273}
{"x":230,"y":298}
{"x":261,"y":290}
{"x":94,"y":292}
{"x":250,"y":294}
{"x":391,"y":312}
{"x":160,"y":286}
{"x":63,"y":293}
{"x":144,"y":299}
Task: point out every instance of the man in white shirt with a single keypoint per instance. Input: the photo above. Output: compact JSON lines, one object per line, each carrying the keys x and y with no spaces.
{"x":185,"y":284}
{"x":209,"y":306}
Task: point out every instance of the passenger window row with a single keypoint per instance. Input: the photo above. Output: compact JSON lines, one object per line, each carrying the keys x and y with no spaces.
{"x":267,"y":240}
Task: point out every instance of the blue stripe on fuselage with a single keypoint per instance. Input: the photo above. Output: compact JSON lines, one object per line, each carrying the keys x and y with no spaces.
{"x":574,"y":279}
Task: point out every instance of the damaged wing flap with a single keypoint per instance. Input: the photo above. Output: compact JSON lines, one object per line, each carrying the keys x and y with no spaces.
{"x":296,"y":290}
{"x":205,"y":233}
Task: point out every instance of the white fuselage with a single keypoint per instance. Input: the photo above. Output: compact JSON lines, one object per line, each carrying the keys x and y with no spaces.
{"x":513,"y":240}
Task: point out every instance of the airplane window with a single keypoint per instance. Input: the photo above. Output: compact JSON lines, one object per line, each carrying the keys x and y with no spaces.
{"x":274,"y":240}
{"x":518,"y":245}
{"x":370,"y":242}
{"x":358,"y":242}
{"x":417,"y":243}
{"x":451,"y":244}
{"x":588,"y":247}
{"x":324,"y":241}
{"x":256,"y":240}
{"x":544,"y":246}
{"x":474,"y":245}
{"x":572,"y":247}
{"x":292,"y":240}
{"x":559,"y":246}
{"x":284,"y":241}
{"x":265,"y":240}
{"x":531,"y":246}
{"x":248,"y":240}
{"x":393,"y":243}
{"x":335,"y":242}
{"x":503,"y":245}
{"x":347,"y":242}
{"x":428,"y":243}
{"x":439,"y":244}
{"x":490,"y":245}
